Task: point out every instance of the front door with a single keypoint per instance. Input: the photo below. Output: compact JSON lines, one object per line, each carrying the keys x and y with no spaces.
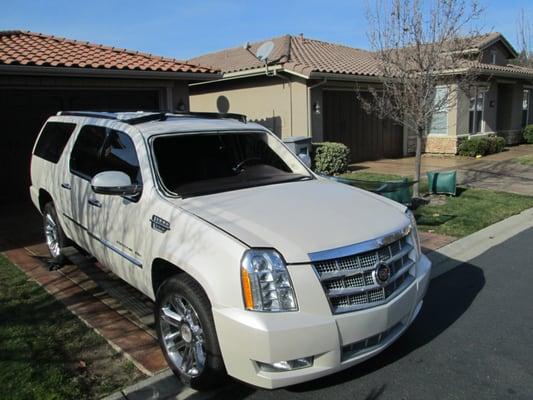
{"x":115,"y":221}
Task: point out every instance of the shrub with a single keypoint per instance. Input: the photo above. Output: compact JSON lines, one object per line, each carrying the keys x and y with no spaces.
{"x":331,"y":158}
{"x":481,"y":146}
{"x":496,"y":144}
{"x":528,"y":133}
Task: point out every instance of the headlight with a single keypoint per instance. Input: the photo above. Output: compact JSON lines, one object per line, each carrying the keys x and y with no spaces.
{"x":414,"y":232}
{"x":266,"y":284}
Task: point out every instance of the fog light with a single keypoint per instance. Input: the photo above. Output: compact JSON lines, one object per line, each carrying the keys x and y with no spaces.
{"x":289,"y":365}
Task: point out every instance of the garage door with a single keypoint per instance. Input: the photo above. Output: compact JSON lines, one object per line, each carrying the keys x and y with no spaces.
{"x":367,"y":136}
{"x":23,"y":112}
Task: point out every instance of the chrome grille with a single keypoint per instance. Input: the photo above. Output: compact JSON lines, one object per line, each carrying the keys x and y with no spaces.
{"x":349,"y":281}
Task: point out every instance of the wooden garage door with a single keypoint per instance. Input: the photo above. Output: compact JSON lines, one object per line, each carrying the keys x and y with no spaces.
{"x":367,"y":136}
{"x":23,"y":113}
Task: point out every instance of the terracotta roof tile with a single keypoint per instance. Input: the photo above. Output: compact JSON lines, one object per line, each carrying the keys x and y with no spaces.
{"x":296,"y":53}
{"x":303,"y":55}
{"x":29,"y":48}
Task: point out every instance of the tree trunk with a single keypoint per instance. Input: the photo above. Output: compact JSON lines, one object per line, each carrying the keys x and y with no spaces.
{"x":418,"y":163}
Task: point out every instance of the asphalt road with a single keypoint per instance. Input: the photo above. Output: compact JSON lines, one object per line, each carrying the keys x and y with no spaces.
{"x":472,"y":340}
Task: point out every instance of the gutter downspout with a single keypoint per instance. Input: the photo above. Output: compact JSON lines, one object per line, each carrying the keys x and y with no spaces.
{"x":309,"y":111}
{"x":289,"y":82}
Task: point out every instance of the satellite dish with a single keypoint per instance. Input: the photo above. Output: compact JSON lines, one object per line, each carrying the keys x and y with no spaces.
{"x":264,"y":51}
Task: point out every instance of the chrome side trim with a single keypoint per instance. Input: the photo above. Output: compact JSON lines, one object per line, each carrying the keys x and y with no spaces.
{"x":362,"y":247}
{"x":107,"y":244}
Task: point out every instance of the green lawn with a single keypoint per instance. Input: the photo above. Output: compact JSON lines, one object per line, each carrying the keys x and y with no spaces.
{"x":468,"y":212}
{"x":48,"y":353}
{"x":525,"y":160}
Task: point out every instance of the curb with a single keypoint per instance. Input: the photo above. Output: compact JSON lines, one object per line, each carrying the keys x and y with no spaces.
{"x":456,"y":253}
{"x":163,"y":385}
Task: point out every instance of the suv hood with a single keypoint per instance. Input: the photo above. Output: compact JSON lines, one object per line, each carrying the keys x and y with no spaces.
{"x":299,"y":218}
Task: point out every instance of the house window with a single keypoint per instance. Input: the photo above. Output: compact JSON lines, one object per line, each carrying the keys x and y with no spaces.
{"x":475,"y":117}
{"x":525,"y":107}
{"x":439,"y":120}
{"x":493,"y":57}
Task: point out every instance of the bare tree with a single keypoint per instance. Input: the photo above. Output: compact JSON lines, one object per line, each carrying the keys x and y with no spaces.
{"x":525,"y":56}
{"x":419,"y":46}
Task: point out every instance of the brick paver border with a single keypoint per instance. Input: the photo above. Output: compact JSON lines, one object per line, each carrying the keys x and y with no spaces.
{"x":122,"y":334}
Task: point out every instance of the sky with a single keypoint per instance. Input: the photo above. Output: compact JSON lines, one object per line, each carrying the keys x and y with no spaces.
{"x":184,"y":29}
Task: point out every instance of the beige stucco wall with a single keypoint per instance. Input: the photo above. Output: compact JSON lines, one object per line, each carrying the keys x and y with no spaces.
{"x":274,"y":102}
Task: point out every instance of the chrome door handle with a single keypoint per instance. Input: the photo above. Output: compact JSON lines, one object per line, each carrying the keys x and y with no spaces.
{"x":94,"y":202}
{"x":66,"y":186}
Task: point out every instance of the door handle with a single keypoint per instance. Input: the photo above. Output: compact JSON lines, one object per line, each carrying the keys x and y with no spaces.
{"x":95,"y":203}
{"x":66,"y":186}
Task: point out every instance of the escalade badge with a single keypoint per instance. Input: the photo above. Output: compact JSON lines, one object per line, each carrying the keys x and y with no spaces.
{"x":382,"y":273}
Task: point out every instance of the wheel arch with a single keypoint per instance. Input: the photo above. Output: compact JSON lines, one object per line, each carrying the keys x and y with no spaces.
{"x":163,"y":269}
{"x":44,"y":198}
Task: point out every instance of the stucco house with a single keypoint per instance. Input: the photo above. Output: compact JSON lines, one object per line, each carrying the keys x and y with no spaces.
{"x":41,"y":74}
{"x":309,"y":88}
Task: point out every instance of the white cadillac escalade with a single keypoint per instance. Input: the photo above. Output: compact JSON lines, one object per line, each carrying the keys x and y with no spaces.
{"x":259,"y":268}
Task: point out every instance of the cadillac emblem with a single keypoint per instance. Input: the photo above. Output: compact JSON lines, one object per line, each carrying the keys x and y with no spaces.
{"x":382,"y":273}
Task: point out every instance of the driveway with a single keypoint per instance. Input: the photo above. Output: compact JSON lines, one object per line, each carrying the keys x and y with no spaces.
{"x":472,"y":340}
{"x":496,"y":172}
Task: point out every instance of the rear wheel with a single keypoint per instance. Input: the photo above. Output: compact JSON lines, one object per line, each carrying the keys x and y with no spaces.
{"x":186,"y":333}
{"x":56,"y":240}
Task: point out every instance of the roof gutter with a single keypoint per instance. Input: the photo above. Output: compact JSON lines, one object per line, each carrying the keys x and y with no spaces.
{"x":344,"y":77}
{"x":243,"y":74}
{"x":104,"y":73}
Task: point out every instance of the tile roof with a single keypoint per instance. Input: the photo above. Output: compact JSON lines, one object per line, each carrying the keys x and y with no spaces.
{"x":295,"y":53}
{"x":481,"y":42}
{"x":515,"y":70}
{"x":304,"y":56}
{"x":36,"y":49}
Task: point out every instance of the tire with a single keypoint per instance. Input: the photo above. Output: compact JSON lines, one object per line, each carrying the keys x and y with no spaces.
{"x":183,"y":296}
{"x":56,"y":240}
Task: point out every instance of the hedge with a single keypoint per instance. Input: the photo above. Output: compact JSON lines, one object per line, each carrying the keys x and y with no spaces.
{"x":481,"y":146}
{"x":330,"y":158}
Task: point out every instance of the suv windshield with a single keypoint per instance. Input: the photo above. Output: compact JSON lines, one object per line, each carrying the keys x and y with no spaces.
{"x":203,"y":163}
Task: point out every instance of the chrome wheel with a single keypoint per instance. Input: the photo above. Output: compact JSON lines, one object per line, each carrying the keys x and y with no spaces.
{"x":52,"y":236}
{"x":182,"y":335}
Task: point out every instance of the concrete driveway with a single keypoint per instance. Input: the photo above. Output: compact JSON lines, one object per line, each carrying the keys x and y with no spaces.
{"x":496,"y":172}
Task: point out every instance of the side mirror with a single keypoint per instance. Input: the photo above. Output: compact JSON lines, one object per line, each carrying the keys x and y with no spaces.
{"x":305,"y":159}
{"x":115,"y":183}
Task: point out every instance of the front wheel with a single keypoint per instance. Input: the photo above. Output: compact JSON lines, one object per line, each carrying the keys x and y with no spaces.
{"x":186,"y":333}
{"x":56,"y":240}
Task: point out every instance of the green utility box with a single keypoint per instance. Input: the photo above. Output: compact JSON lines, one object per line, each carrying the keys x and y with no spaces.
{"x":397,"y":190}
{"x":442,"y":182}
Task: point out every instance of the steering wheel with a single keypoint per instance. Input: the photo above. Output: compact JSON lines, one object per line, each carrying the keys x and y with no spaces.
{"x":239,"y":166}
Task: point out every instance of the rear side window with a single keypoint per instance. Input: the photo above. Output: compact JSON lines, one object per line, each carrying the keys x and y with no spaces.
{"x":53,"y":140}
{"x":99,"y":149}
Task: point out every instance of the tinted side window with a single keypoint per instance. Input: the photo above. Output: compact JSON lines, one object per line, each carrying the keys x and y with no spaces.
{"x":53,"y":140}
{"x":99,"y":149}
{"x":85,"y":156}
{"x":119,"y":155}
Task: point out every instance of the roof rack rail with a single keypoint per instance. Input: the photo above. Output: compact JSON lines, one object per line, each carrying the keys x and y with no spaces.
{"x":93,"y":114}
{"x":212,"y":115}
{"x":144,"y":117}
{"x":155,"y":116}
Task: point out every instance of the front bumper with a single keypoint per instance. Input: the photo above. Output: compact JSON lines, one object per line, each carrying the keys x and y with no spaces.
{"x":247,"y":337}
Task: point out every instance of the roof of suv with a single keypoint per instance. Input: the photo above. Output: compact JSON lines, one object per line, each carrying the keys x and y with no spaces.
{"x":151,"y":123}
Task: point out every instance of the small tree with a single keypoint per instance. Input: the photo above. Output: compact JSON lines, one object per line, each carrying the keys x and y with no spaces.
{"x":525,"y":56}
{"x":417,"y":47}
